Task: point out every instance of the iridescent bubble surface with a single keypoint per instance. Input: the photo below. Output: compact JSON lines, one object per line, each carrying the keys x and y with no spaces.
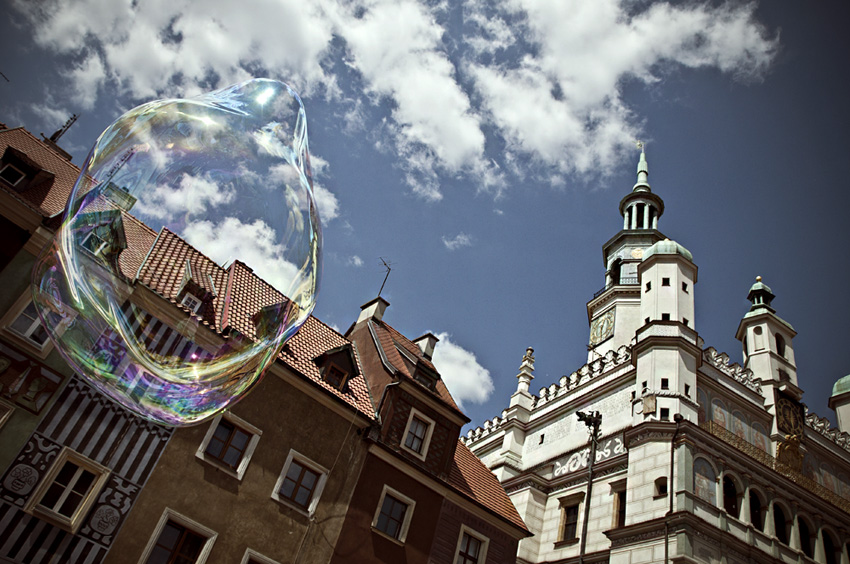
{"x":190,"y":251}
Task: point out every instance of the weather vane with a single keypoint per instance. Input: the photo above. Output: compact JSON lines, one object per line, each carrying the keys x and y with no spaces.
{"x":640,"y":144}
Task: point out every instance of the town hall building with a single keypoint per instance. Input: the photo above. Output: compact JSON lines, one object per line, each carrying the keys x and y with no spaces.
{"x":659,"y":449}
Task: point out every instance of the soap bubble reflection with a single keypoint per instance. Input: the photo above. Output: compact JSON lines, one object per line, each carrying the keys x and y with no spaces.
{"x":189,"y":252}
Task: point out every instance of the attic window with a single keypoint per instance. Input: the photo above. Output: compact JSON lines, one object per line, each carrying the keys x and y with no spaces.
{"x":11,"y":174}
{"x":191,"y":302}
{"x":93,"y":243}
{"x":335,"y":377}
{"x":425,"y":379}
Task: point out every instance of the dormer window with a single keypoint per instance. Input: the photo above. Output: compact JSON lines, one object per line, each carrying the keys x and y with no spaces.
{"x":93,"y":243}
{"x":11,"y":174}
{"x":192,"y":302}
{"x":417,"y":434}
{"x":335,"y":377}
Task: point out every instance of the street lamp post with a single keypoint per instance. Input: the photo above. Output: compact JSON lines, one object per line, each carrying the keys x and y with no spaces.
{"x":593,"y":420}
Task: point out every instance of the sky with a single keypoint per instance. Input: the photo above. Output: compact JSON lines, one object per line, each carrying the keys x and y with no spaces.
{"x":482,"y":148}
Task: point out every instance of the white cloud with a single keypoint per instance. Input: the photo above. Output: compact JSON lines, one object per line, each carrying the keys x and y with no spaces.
{"x":256,"y":244}
{"x":355,"y":261}
{"x":458,"y":241}
{"x":465,"y":378}
{"x":538,"y":81}
{"x":192,"y":196}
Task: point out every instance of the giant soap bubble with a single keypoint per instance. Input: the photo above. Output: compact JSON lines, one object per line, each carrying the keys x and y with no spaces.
{"x":189,"y":251}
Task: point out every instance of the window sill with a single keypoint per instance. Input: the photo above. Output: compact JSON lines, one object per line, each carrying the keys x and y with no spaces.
{"x":567,"y":542}
{"x":25,"y":345}
{"x":289,"y":505}
{"x":659,"y":496}
{"x":412,"y":452}
{"x":388,"y":537}
{"x":221,"y":466}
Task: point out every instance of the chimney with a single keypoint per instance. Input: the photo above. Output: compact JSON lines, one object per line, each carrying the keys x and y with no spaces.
{"x":373,"y":309}
{"x":426,"y":343}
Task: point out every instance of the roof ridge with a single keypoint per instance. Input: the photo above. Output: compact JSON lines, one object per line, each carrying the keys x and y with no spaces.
{"x":46,"y":146}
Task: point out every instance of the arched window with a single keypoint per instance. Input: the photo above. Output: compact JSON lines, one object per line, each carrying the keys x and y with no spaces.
{"x":830,"y":549}
{"x":730,"y":497}
{"x":615,"y":271}
{"x":756,"y":511}
{"x":705,"y":480}
{"x":780,"y":524}
{"x":807,"y":543}
{"x":780,"y":345}
{"x":759,"y":339}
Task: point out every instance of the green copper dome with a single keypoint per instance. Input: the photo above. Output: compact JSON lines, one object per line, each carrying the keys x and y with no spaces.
{"x":843,"y":385}
{"x":668,"y":247}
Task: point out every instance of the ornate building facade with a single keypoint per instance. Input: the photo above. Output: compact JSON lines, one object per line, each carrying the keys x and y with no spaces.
{"x":660,"y":450}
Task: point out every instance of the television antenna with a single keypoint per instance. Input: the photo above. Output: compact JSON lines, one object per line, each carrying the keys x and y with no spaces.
{"x":388,"y":266}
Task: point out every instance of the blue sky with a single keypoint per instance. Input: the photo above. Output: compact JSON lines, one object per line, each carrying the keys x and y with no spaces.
{"x":482,"y":149}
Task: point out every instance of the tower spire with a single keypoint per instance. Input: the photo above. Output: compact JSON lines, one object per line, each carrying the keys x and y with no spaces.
{"x":642,"y":184}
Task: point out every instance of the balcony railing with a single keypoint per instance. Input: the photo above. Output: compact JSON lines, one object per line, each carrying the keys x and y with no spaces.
{"x":623,"y":282}
{"x":779,"y":467}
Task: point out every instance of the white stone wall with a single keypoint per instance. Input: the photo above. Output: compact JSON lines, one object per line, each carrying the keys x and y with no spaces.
{"x":647,"y":462}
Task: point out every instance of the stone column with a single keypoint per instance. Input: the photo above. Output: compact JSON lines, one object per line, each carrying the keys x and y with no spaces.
{"x":646,"y":216}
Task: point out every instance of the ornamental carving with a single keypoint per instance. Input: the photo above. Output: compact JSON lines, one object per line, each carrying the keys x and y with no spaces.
{"x":788,"y":452}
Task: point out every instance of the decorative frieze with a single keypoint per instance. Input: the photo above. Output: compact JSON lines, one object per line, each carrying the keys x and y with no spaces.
{"x":735,"y":371}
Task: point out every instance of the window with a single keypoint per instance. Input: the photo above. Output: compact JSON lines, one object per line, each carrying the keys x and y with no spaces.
{"x":618,"y":490}
{"x":646,"y":320}
{"x":93,"y":243}
{"x":730,"y":496}
{"x":191,"y":302}
{"x":542,"y":437}
{"x":806,"y":540}
{"x":11,"y":174}
{"x":471,"y":547}
{"x":665,"y":317}
{"x":780,"y":345}
{"x":665,"y":281}
{"x":685,"y":321}
{"x":648,"y":286}
{"x":178,"y":540}
{"x":660,"y":487}
{"x":830,"y":550}
{"x":417,"y":434}
{"x":665,"y":414}
{"x":28,"y":325}
{"x":393,"y":515}
{"x":229,"y":444}
{"x":780,"y":524}
{"x":300,"y":483}
{"x":570,"y":507}
{"x":335,"y":377}
{"x":253,"y":557}
{"x":685,"y":287}
{"x":68,"y":490}
{"x":687,"y":390}
{"x":756,"y":511}
{"x":665,"y":383}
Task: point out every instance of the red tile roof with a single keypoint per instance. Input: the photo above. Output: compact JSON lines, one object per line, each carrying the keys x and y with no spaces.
{"x":469,"y":476}
{"x":390,"y":338}
{"x":242,"y":294}
{"x":48,"y":198}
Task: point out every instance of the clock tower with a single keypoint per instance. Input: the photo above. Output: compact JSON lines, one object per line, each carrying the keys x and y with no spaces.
{"x":614,"y":313}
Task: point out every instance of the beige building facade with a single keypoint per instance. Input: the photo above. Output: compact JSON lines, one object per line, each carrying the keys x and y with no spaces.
{"x":697,"y":459}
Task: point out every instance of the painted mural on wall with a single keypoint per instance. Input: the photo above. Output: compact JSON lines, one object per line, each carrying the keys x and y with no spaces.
{"x":705,"y":481}
{"x":25,"y":381}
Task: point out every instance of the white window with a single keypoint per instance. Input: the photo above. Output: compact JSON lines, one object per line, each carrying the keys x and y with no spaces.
{"x":417,"y":434}
{"x":471,"y":547}
{"x":300,"y":483}
{"x":93,"y":243}
{"x":68,"y":490}
{"x":393,"y":514}
{"x":192,"y":302}
{"x":253,"y":557}
{"x":23,"y":323}
{"x":178,"y":539}
{"x":229,"y":444}
{"x":11,"y":174}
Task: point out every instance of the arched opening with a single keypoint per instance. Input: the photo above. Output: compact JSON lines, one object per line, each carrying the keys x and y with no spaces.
{"x":705,"y":481}
{"x":780,"y":524}
{"x":830,"y":549}
{"x":780,"y":345}
{"x":758,"y":338}
{"x":757,"y":511}
{"x":615,"y":271}
{"x":730,"y":497}
{"x":807,"y":544}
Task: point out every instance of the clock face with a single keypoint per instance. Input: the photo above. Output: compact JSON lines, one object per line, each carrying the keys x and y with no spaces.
{"x":602,"y":327}
{"x":789,"y":418}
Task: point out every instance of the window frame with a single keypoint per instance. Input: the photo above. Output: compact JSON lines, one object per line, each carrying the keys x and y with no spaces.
{"x":188,"y":296}
{"x":574,"y":500}
{"x":72,"y":523}
{"x":317,"y":490}
{"x":408,"y":515}
{"x":13,"y":167}
{"x":170,"y":515}
{"x":240,"y":423}
{"x":469,"y":531}
{"x":343,"y":380}
{"x":13,"y":314}
{"x":426,"y":442}
{"x":251,"y":554}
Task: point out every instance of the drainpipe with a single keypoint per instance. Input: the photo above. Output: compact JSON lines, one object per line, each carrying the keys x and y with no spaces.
{"x":593,"y":421}
{"x":678,"y":419}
